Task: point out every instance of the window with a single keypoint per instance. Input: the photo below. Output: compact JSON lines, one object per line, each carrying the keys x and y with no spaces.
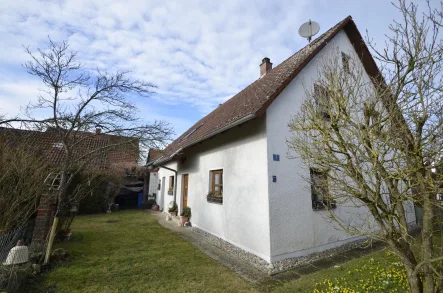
{"x":319,"y":190}
{"x":322,"y":96}
{"x":171,"y":185}
{"x":216,"y":186}
{"x":345,"y":61}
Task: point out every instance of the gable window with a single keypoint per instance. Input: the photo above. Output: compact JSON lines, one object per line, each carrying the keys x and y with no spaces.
{"x":322,"y":96}
{"x":216,"y":186}
{"x":171,"y":185}
{"x":345,"y":61}
{"x":319,"y":190}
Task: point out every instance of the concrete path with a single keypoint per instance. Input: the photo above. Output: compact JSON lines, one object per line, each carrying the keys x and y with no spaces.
{"x":259,"y":279}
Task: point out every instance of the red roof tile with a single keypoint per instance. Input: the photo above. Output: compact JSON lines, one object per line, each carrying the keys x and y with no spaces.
{"x":48,"y":144}
{"x":254,"y":99}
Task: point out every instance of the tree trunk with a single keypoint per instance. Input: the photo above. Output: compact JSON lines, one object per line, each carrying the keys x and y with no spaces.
{"x":426,"y":245}
{"x":415,"y":284}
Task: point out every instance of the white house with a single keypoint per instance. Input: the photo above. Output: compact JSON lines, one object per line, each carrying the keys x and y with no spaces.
{"x":239,"y":152}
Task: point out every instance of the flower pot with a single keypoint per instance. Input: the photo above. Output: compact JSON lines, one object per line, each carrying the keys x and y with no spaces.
{"x":173,"y":214}
{"x":183,"y":220}
{"x":155,"y":208}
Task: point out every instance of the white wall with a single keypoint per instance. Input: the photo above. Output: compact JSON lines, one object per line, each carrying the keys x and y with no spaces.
{"x":297,"y":229}
{"x":243,"y":218}
{"x":153,"y":184}
{"x":163,"y":198}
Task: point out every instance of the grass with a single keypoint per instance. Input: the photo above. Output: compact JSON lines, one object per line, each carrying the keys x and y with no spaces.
{"x":130,"y":252}
{"x":378,"y":272}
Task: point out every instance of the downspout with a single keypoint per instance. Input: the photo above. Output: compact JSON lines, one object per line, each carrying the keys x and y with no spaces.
{"x":175,"y":179}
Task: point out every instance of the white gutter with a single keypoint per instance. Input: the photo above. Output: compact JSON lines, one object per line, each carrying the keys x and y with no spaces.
{"x":229,"y":126}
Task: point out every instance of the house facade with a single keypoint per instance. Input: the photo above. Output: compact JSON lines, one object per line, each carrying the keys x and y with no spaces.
{"x":259,"y":199}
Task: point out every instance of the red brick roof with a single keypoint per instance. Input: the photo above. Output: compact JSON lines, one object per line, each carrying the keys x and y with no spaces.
{"x":48,"y":144}
{"x":256,"y":98}
{"x":154,"y":154}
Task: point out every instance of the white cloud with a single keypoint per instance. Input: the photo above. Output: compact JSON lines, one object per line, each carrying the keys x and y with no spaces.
{"x":195,"y":51}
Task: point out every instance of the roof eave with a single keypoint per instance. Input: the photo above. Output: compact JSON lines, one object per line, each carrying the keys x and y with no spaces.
{"x":163,"y":160}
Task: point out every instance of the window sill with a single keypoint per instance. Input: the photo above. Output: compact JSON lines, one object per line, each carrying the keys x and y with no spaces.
{"x":214,"y":199}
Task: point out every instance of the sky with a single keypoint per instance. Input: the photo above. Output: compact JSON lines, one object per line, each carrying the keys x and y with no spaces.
{"x":197,"y":53}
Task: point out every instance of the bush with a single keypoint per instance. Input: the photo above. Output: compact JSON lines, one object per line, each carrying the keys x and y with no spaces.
{"x":186,"y":212}
{"x":22,"y":173}
{"x":14,"y":278}
{"x":174,"y":208}
{"x":97,"y":202}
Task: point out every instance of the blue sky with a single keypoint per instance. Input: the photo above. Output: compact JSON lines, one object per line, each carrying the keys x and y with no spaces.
{"x":198,"y":53}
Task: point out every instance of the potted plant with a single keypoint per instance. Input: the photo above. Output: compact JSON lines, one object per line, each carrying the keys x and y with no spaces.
{"x":185,"y":216}
{"x":173,"y":209}
{"x":215,"y":196}
{"x":155,"y":207}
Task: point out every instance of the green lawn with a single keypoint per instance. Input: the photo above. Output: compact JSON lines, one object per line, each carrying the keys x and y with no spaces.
{"x":136,"y":254}
{"x":378,"y":272}
{"x":130,"y":252}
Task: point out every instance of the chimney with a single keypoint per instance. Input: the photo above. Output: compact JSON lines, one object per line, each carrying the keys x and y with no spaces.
{"x":265,"y":66}
{"x":98,"y":130}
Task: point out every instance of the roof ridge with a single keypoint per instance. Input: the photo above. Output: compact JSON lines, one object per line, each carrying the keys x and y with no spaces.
{"x":254,"y":99}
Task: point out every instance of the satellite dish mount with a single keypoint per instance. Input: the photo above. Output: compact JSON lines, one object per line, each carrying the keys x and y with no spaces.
{"x":309,"y":29}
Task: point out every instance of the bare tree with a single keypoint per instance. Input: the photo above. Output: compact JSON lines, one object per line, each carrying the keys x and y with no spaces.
{"x":75,"y":102}
{"x":379,"y":142}
{"x":22,"y":172}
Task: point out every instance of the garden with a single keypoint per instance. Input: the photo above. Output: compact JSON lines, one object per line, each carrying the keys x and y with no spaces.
{"x":129,"y":251}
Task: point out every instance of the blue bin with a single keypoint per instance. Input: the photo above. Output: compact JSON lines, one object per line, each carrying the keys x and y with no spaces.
{"x":140,"y":200}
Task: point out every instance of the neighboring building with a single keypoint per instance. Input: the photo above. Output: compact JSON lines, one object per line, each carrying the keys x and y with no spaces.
{"x":259,"y":201}
{"x":48,"y":144}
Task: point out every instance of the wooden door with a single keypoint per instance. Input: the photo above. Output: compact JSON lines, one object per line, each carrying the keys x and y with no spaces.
{"x":185,"y":190}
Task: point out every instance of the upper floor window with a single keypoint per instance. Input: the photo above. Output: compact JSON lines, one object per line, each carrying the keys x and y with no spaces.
{"x":345,"y":61}
{"x":322,"y":97}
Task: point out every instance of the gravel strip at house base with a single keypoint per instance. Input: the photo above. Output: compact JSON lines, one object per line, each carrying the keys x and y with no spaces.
{"x":279,"y":266}
{"x":295,"y":262}
{"x":241,"y":254}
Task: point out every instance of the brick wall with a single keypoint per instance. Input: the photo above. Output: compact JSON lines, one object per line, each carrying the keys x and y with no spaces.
{"x":43,"y":221}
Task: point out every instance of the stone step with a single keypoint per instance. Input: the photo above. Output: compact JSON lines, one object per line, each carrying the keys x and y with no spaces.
{"x":173,"y":220}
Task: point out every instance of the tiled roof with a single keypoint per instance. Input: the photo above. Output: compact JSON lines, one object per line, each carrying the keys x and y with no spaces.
{"x":254,"y":99}
{"x":154,"y":154}
{"x":48,"y":144}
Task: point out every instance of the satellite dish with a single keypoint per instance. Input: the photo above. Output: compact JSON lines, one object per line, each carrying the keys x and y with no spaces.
{"x":309,"y":29}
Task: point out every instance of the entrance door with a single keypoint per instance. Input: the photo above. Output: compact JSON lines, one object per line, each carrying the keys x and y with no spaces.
{"x":185,"y":190}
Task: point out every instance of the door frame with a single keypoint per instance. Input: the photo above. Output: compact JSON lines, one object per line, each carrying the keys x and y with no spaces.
{"x":183,"y":190}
